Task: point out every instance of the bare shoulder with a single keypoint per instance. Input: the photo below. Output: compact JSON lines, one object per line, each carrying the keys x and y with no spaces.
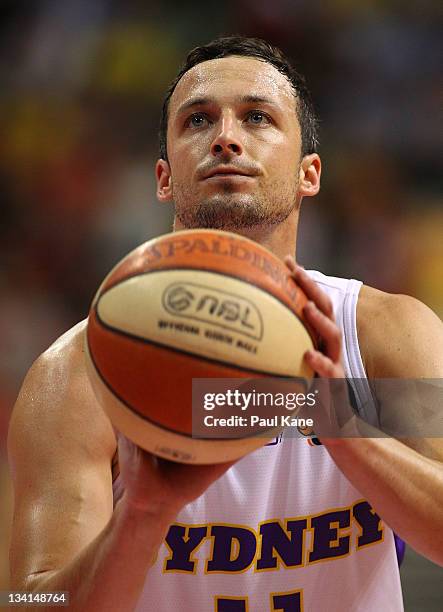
{"x":399,"y":336}
{"x":56,"y":399}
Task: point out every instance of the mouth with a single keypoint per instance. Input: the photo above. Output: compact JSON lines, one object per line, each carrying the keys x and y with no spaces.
{"x":227,"y":173}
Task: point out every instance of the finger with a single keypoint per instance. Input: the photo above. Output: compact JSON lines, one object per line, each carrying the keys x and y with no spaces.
{"x":323,"y":365}
{"x":326,"y":329}
{"x":332,"y":410}
{"x":335,"y":413}
{"x":291,"y":263}
{"x":310,"y":287}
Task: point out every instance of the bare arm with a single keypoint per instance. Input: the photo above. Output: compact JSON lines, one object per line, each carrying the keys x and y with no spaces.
{"x":399,"y":338}
{"x":65,"y":533}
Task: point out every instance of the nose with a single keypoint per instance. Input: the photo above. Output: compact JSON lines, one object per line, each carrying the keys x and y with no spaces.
{"x":227,"y":141}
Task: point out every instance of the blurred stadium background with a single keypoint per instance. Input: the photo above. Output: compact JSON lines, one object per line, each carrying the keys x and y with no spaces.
{"x":81,"y":89}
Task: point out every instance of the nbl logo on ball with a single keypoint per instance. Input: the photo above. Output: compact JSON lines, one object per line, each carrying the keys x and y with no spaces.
{"x":210,"y":305}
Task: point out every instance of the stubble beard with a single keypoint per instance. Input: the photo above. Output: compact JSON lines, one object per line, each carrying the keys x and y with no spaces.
{"x":232,"y":211}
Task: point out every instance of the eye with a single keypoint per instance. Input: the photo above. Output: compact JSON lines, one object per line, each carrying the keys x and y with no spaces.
{"x":197,"y":120}
{"x":258,"y":118}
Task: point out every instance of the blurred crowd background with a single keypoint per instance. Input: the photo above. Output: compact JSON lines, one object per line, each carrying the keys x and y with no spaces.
{"x":81,"y":90}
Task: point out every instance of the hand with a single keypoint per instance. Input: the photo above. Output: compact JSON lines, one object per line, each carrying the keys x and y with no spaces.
{"x":333,"y":416}
{"x":156,"y":485}
{"x":320,"y":315}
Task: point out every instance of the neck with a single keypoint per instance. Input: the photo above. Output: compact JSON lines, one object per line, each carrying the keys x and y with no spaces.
{"x":280,"y":238}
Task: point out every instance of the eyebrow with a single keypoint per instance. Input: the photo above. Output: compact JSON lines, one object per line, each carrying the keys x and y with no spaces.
{"x":194,"y":102}
{"x":203,"y":101}
{"x":257,"y":100}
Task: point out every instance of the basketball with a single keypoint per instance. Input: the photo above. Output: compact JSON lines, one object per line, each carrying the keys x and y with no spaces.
{"x":189,"y":305}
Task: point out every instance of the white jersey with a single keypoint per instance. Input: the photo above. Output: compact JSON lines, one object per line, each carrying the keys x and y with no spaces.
{"x":283,"y":529}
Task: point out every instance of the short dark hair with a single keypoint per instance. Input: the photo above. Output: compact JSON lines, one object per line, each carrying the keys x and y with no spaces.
{"x":250,"y":47}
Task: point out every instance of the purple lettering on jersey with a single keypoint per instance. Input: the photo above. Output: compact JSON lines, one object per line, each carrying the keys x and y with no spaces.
{"x":288,"y":544}
{"x":370,"y":523}
{"x":327,"y":542}
{"x":233,"y":549}
{"x":287,"y":602}
{"x":228,"y":604}
{"x":182,"y":542}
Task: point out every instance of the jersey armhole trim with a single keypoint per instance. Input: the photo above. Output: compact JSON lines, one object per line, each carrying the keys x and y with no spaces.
{"x":352,"y":355}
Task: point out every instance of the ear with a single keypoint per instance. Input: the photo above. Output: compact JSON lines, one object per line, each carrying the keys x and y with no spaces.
{"x":164,"y":181}
{"x":309,"y":175}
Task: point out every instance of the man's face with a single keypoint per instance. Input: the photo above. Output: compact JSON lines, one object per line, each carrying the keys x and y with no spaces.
{"x":233,"y":144}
